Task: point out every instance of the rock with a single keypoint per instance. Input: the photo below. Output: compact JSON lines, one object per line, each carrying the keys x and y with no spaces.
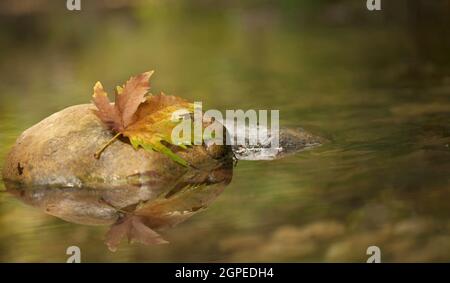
{"x":59,"y":151}
{"x":290,"y":141}
{"x":52,"y":166}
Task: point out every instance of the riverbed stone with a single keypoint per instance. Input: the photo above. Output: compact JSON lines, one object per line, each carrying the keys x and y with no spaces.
{"x":52,"y":166}
{"x":59,"y":151}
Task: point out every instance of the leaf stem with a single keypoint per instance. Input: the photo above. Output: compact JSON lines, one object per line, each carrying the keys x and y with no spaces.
{"x":99,"y":152}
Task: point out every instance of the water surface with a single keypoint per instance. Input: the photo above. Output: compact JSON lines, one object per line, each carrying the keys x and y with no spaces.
{"x":377,"y":88}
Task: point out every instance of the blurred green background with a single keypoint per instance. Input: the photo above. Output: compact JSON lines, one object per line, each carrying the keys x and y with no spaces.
{"x":376,"y":84}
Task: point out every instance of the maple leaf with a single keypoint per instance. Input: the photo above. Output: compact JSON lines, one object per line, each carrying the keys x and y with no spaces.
{"x":145,"y":120}
{"x":134,"y":229}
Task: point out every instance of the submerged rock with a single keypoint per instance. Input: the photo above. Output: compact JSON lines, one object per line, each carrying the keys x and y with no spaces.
{"x":52,"y":166}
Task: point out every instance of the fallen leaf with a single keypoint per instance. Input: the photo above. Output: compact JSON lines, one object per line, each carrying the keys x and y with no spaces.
{"x":135,"y":230}
{"x":145,"y":120}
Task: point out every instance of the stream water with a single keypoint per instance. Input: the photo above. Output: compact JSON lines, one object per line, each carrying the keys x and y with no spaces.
{"x":378,"y":91}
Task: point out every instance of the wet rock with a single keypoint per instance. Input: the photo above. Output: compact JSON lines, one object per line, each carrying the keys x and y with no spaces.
{"x":290,"y":141}
{"x":59,"y":151}
{"x":52,"y":166}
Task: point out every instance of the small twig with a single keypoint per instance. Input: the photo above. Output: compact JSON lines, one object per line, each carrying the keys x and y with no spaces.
{"x":99,"y":152}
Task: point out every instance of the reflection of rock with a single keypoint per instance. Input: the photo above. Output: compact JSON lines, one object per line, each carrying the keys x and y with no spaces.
{"x":52,"y":166}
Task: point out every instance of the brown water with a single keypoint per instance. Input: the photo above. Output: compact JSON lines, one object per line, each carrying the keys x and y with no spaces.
{"x":377,"y":87}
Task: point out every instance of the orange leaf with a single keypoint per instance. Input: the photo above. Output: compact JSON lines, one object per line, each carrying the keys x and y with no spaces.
{"x":145,"y":120}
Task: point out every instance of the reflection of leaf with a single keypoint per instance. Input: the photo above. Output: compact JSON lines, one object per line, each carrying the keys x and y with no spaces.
{"x":145,"y":120}
{"x":132,"y":228}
